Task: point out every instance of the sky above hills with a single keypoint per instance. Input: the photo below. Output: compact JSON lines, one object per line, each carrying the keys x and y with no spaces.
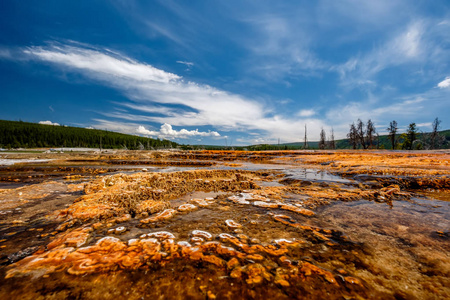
{"x":225,"y":72}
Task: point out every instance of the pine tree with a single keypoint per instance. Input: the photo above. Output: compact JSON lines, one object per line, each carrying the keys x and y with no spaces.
{"x":322,"y":139}
{"x":411,"y":136}
{"x":392,"y":130}
{"x":353,"y":136}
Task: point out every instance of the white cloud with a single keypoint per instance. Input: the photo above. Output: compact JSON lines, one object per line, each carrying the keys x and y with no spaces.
{"x":5,"y":53}
{"x":167,"y":132}
{"x":426,"y":124}
{"x":101,"y":64}
{"x":48,"y":123}
{"x":123,"y":127}
{"x":444,"y":83}
{"x":186,"y":63}
{"x":306,"y":113}
{"x":152,"y":90}
{"x":406,"y":46}
{"x":281,"y":47}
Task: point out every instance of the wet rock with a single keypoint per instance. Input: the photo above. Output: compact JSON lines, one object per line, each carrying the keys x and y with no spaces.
{"x":64,"y":226}
{"x":123,"y":218}
{"x":151,"y":207}
{"x":266,"y":204}
{"x":160,"y":235}
{"x":232,"y":263}
{"x":287,"y":243}
{"x":256,"y":274}
{"x":200,"y":202}
{"x":197,"y":240}
{"x":184,"y":244}
{"x":302,"y":211}
{"x":186,"y":207}
{"x":210,"y":295}
{"x":244,"y":238}
{"x":239,"y":200}
{"x":232,"y":224}
{"x":255,"y":241}
{"x":121,"y":229}
{"x":164,"y":215}
{"x":309,"y":269}
{"x":12,"y":258}
{"x":236,"y":273}
{"x":75,"y":238}
{"x":202,"y":234}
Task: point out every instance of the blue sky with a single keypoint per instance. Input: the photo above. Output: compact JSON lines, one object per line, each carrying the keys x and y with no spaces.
{"x":225,"y":72}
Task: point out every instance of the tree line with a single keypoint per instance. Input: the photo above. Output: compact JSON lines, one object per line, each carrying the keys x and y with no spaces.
{"x":413,"y":139}
{"x":20,"y":134}
{"x":365,"y":136}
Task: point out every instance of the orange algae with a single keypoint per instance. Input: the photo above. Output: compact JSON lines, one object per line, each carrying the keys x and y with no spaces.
{"x":298,"y":255}
{"x":109,"y":254}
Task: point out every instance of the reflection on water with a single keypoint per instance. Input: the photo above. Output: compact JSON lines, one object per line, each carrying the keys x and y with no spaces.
{"x":312,"y":174}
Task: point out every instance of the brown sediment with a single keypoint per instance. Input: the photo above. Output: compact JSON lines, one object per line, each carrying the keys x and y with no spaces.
{"x":149,"y":193}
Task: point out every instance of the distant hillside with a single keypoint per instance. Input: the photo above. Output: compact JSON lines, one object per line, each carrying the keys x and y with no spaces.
{"x":31,"y":135}
{"x":383,"y":143}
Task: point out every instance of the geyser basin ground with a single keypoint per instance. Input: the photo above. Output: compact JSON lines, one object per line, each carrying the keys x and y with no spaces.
{"x":226,"y":225}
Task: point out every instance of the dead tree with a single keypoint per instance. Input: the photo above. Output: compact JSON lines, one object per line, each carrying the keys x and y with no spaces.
{"x":305,"y":143}
{"x":361,"y":133}
{"x":332,"y":143}
{"x":434,"y":137}
{"x":353,"y":136}
{"x":392,"y":131}
{"x":322,"y":142}
{"x":370,"y":133}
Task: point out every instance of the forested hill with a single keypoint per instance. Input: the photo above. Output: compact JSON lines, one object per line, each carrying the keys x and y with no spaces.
{"x":31,"y":135}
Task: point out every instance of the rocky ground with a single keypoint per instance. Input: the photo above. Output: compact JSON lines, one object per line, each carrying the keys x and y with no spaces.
{"x":225,"y":225}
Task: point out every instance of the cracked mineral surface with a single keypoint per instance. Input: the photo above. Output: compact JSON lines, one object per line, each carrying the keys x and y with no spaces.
{"x":226,"y":225}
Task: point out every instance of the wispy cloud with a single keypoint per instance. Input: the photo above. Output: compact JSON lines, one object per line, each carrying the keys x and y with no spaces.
{"x":281,"y":46}
{"x":5,"y":53}
{"x":404,"y":47}
{"x":105,"y":66}
{"x":150,"y":90}
{"x":187,"y":63}
{"x":306,"y":113}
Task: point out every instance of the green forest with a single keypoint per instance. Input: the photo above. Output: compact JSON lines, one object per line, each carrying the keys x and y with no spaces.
{"x":20,"y":134}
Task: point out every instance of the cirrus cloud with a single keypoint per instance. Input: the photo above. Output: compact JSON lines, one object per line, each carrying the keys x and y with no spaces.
{"x":152,"y":91}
